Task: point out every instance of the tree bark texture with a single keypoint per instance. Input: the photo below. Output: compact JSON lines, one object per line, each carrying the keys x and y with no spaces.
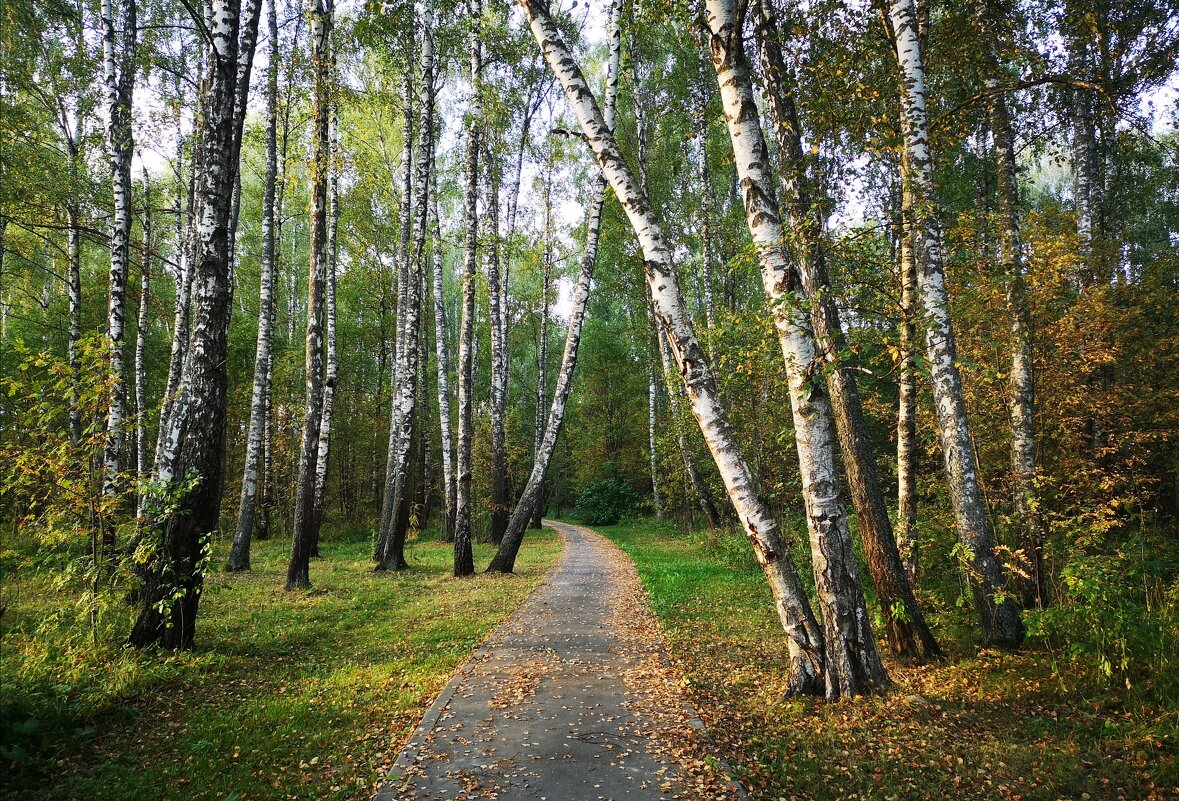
{"x":998,"y":609}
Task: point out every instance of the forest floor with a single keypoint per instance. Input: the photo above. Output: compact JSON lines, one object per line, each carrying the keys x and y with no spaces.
{"x":980,"y":725}
{"x":572,"y":699}
{"x":303,"y":695}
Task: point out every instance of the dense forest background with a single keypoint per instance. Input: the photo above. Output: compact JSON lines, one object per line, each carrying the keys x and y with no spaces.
{"x":356,"y":203}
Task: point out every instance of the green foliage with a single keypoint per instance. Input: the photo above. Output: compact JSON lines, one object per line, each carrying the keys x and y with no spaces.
{"x":604,"y":503}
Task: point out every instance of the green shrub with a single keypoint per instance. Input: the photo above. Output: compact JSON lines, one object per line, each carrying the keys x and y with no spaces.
{"x":604,"y":503}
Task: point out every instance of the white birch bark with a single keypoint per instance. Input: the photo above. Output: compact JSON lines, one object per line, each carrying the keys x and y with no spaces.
{"x":119,"y":36}
{"x":463,"y":559}
{"x":332,"y":370}
{"x":853,"y":665}
{"x":304,"y":534}
{"x":239,"y":556}
{"x":998,"y":609}
{"x":496,"y":305}
{"x":804,"y":638}
{"x":194,"y":444}
{"x":142,"y":471}
{"x":442,"y":354}
{"x":398,"y":492}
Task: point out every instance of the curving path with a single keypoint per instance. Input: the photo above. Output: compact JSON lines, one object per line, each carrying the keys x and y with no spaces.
{"x":571,"y":698}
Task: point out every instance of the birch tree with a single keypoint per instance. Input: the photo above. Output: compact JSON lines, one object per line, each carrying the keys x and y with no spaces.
{"x":193,"y":452}
{"x":398,"y":490}
{"x":442,"y":358}
{"x":119,"y":40}
{"x":805,"y":645}
{"x":142,"y":470}
{"x":998,"y":609}
{"x":464,"y":564}
{"x":908,"y":634}
{"x":239,"y":555}
{"x":853,"y":665}
{"x":298,"y":569}
{"x":332,"y":368}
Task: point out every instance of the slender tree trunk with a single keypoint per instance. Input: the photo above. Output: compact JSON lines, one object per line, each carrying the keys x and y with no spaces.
{"x":1021,"y":385}
{"x":804,"y":637}
{"x":499,"y":364}
{"x":194,"y":444}
{"x":256,"y":441}
{"x":999,"y":610}
{"x":505,"y":557}
{"x":853,"y":665}
{"x":464,"y":564}
{"x":907,"y":541}
{"x":652,"y":429}
{"x":442,"y":353}
{"x":542,"y":344}
{"x":705,"y":209}
{"x":332,"y":367}
{"x":119,"y":37}
{"x":298,"y":570}
{"x":142,"y":470}
{"x":75,"y":333}
{"x":399,"y":491}
{"x":908,"y":633}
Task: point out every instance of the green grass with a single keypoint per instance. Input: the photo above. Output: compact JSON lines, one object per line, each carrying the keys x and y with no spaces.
{"x":981,"y":725}
{"x":287,"y":695}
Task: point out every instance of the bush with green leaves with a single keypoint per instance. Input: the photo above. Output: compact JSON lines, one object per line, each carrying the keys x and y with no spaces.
{"x":604,"y":503}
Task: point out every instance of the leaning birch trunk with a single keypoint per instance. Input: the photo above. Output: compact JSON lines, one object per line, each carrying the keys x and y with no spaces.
{"x":239,"y":554}
{"x":853,"y":665}
{"x":1021,"y":387}
{"x":442,"y":354}
{"x":195,"y":441}
{"x":505,"y":557}
{"x":464,"y":564}
{"x":118,"y":60}
{"x":298,"y":569}
{"x":804,"y":637}
{"x":398,"y":493}
{"x":332,"y":368}
{"x":908,"y":634}
{"x":998,"y":609}
{"x":142,"y":470}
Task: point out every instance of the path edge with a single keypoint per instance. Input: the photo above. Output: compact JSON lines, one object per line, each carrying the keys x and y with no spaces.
{"x":398,"y":775}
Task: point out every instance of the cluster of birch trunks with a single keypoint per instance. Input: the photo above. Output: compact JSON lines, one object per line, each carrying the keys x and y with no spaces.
{"x":832,"y":646}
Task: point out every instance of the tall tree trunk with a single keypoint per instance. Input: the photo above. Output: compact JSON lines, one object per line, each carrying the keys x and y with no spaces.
{"x":652,"y":427}
{"x":496,"y":304}
{"x":142,"y":470}
{"x":298,"y":572}
{"x":542,"y":342}
{"x":999,"y":610}
{"x":464,"y":564}
{"x":119,"y":37}
{"x":256,"y":443}
{"x":194,"y":444}
{"x":853,"y":665}
{"x":442,"y":353}
{"x":907,"y":542}
{"x":804,"y":637}
{"x":908,"y":633}
{"x":332,"y":367}
{"x":705,"y":208}
{"x":505,"y":557}
{"x":399,"y":490}
{"x":1021,"y":385}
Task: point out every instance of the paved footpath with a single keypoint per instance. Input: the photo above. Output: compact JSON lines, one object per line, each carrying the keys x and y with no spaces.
{"x":571,"y":699}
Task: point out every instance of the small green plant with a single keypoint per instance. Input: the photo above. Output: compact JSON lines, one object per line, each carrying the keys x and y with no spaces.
{"x":604,"y":503}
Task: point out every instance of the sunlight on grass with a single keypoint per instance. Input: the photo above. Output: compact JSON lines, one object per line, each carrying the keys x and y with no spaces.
{"x":305,"y":695}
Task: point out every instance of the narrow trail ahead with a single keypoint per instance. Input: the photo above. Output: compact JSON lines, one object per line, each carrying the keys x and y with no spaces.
{"x":571,"y":699}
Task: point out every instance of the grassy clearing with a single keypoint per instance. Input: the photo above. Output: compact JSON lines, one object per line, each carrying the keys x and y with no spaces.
{"x":304,"y":695}
{"x":981,"y":725}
